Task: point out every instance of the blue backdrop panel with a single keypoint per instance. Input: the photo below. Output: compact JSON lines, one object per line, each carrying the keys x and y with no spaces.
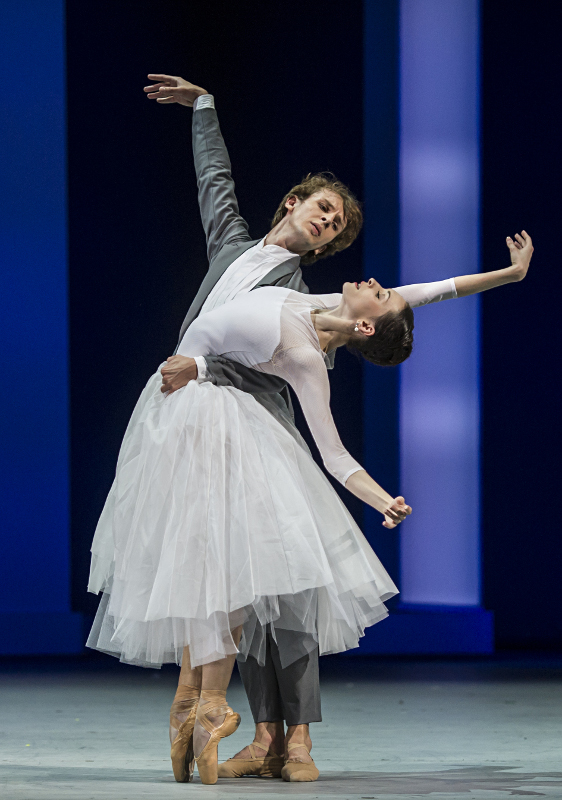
{"x":439,"y":236}
{"x":423,"y":54}
{"x":439,"y":395}
{"x":34,"y":569}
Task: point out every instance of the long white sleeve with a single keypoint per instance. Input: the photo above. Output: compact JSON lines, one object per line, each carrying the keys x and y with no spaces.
{"x":306,"y":373}
{"x":421,"y":294}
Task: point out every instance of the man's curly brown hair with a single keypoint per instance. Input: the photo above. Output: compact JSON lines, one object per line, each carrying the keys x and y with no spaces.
{"x":325,"y":181}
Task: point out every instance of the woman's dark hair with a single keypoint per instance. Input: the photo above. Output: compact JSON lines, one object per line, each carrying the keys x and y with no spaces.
{"x":392,"y":341}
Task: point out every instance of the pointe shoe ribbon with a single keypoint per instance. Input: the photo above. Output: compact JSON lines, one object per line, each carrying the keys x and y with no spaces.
{"x":183,"y":761}
{"x":181,"y":733}
{"x":268,"y":766}
{"x":294,"y":771}
{"x":215,"y":705}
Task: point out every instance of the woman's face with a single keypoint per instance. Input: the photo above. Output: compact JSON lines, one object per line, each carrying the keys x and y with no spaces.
{"x":368,"y":300}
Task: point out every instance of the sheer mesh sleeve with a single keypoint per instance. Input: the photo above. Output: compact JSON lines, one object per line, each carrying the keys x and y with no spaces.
{"x":421,"y":294}
{"x":305,"y":371}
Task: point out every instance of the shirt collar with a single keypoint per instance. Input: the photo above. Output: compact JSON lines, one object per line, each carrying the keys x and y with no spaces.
{"x":280,"y":253}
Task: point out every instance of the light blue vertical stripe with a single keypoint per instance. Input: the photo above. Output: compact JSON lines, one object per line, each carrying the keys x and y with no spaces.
{"x":439,"y":217}
{"x":34,"y":402}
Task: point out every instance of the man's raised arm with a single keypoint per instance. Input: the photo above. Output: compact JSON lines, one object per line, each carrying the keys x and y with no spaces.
{"x":217,"y":200}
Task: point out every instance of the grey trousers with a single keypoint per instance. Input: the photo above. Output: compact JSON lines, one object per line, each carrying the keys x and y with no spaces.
{"x":291,"y":694}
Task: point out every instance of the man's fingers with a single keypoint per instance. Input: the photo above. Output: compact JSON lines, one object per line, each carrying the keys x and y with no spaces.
{"x":155,"y":76}
{"x":153,"y":87}
{"x":166,"y":94}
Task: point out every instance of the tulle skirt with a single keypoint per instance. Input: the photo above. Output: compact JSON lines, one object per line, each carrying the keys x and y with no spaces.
{"x":219,"y":516}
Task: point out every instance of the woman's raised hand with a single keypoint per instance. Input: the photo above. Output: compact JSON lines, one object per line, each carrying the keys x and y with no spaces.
{"x":396,"y":513}
{"x":521,"y":251}
{"x":173,"y":89}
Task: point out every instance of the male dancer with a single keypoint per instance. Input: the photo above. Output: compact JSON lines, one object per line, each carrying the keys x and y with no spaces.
{"x":317,"y":218}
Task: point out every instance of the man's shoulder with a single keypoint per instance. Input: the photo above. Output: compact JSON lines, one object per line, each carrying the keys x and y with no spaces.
{"x":233,"y":249}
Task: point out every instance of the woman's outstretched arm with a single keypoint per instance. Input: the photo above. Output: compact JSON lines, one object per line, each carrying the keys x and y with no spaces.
{"x":521,"y":250}
{"x":421,"y":294}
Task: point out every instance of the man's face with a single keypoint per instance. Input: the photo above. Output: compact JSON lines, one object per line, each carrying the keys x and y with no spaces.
{"x":317,"y":220}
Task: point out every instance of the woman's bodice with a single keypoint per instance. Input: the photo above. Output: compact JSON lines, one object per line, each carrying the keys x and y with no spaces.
{"x":271,"y":330}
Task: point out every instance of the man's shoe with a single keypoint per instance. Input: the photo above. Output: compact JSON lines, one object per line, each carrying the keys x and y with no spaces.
{"x":268,"y":766}
{"x":297,"y":770}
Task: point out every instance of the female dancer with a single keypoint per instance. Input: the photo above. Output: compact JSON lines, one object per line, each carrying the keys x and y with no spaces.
{"x":218,"y":515}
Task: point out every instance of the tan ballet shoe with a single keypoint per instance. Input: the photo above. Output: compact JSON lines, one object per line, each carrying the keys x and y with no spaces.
{"x":181,"y":732}
{"x":268,"y":766}
{"x":297,"y":770}
{"x":214,"y":705}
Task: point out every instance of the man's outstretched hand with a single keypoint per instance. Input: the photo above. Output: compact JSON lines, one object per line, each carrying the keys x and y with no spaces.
{"x":173,"y":89}
{"x":520,"y":251}
{"x":177,"y":372}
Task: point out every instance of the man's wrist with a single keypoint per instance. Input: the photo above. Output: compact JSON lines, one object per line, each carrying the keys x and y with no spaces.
{"x":202,"y":371}
{"x":204,"y":100}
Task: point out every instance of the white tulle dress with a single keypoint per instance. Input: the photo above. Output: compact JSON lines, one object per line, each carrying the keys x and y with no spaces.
{"x":218,"y":514}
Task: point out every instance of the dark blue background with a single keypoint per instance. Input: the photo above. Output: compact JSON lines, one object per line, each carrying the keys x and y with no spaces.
{"x":522,"y":338}
{"x":288,"y":87}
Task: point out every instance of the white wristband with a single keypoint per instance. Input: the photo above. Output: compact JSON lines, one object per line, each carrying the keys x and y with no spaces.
{"x":204,"y":101}
{"x":202,"y":371}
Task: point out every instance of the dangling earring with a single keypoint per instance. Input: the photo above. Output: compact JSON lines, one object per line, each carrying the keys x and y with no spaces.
{"x":356,"y":328}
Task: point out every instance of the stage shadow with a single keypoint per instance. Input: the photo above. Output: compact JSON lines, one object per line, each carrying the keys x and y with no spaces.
{"x":456,"y":782}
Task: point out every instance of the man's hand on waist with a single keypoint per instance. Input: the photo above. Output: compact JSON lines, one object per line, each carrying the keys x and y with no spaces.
{"x":177,"y":372}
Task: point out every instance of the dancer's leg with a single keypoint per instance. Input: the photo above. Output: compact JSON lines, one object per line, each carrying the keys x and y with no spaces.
{"x":189,"y":676}
{"x":299,"y":687}
{"x":276,"y":694}
{"x":187,"y":694}
{"x":214,"y":682}
{"x":298,"y":735}
{"x":182,"y":719}
{"x":262,"y":690}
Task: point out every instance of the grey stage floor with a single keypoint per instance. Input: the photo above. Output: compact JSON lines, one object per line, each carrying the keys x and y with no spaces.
{"x":490,"y":729}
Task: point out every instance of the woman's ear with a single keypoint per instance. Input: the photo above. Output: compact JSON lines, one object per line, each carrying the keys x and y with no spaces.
{"x":320,"y":250}
{"x":365,"y":326}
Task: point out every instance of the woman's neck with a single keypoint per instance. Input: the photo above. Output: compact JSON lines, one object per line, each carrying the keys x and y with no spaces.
{"x":333,"y":328}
